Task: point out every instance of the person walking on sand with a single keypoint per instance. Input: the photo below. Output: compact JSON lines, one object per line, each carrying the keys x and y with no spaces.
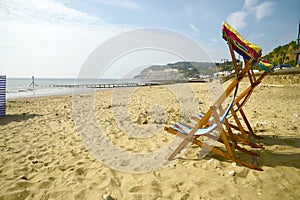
{"x":32,"y":84}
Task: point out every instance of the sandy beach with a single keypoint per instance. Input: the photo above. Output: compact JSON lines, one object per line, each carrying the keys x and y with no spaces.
{"x":44,"y":157}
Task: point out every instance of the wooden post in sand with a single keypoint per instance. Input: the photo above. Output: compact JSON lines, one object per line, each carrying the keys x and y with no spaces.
{"x":2,"y":95}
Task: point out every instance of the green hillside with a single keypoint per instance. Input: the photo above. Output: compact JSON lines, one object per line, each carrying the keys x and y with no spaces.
{"x":184,"y":69}
{"x":189,"y":69}
{"x":281,"y":54}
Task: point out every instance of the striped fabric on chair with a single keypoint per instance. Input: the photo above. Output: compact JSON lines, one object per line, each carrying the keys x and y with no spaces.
{"x":265,"y":65}
{"x":2,"y":95}
{"x":241,"y":45}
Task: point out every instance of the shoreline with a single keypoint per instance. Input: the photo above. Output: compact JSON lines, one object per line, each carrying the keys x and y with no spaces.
{"x":281,"y":77}
{"x":41,"y":91}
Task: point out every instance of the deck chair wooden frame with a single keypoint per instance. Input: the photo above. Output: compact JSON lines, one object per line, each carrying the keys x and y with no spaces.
{"x":213,"y":116}
{"x":240,"y":101}
{"x":237,"y":109}
{"x":227,"y":138}
{"x":237,"y":112}
{"x":252,"y":51}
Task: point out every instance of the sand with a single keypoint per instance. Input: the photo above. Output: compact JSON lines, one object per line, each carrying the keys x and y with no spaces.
{"x":43,"y":154}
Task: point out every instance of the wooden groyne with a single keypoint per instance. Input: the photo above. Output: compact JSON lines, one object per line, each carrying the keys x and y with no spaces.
{"x":116,"y":85}
{"x":95,"y":85}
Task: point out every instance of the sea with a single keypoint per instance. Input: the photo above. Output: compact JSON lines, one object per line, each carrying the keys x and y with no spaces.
{"x":24,"y":88}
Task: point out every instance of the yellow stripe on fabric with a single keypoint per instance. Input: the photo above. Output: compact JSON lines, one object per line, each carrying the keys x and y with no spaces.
{"x":251,"y":45}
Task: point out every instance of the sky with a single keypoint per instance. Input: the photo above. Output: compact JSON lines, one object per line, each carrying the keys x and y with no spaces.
{"x":54,"y":38}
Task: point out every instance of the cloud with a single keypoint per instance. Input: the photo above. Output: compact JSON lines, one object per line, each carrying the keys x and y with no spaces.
{"x":237,"y":20}
{"x":48,"y":38}
{"x":263,"y":10}
{"x":259,"y":10}
{"x":121,"y":3}
{"x":249,"y":4}
{"x":194,"y":28}
{"x":41,"y":10}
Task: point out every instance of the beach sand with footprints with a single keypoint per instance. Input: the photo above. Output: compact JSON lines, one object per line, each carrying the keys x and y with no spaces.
{"x":42,"y":154}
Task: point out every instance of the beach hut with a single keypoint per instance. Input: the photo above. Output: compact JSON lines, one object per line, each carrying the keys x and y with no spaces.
{"x":2,"y":95}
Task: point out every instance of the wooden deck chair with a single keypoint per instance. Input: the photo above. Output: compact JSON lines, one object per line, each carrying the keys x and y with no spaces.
{"x":2,"y":95}
{"x":237,"y":108}
{"x":252,"y":52}
{"x":216,"y":117}
{"x":249,"y":51}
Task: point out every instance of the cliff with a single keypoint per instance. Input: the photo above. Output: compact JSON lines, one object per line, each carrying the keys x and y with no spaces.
{"x":178,"y":70}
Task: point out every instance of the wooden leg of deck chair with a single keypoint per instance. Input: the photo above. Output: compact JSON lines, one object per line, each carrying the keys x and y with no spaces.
{"x":245,"y":138}
{"x":219,"y":152}
{"x":201,"y":144}
{"x":223,"y":134}
{"x":178,"y":149}
{"x":182,"y":144}
{"x":187,"y":138}
{"x":235,"y":145}
{"x":229,"y":145}
{"x":234,"y":140}
{"x":239,"y":125}
{"x":237,"y":128}
{"x":250,"y":153}
{"x":229,"y":132}
{"x":249,"y":126}
{"x":197,"y":142}
{"x":211,"y":148}
{"x":249,"y":165}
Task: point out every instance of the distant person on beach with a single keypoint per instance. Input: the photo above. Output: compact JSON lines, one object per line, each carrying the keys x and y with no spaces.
{"x":32,"y":84}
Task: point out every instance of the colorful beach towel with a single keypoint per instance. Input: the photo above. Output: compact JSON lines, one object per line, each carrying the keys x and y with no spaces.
{"x":241,"y":45}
